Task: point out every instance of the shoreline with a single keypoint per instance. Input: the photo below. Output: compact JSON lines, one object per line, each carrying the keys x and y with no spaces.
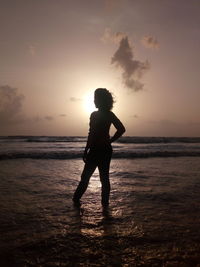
{"x":153,"y":218}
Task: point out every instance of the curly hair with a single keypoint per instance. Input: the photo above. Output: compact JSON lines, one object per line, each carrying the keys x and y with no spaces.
{"x":103,"y":99}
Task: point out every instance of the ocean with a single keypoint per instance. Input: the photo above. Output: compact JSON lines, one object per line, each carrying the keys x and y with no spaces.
{"x":154,"y":213}
{"x":56,"y":147}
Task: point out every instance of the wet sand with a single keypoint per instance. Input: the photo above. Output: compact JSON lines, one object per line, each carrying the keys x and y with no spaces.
{"x":153,"y":218}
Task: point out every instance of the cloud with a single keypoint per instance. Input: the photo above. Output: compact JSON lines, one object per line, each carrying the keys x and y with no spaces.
{"x":49,"y":118}
{"x":109,"y":36}
{"x":62,"y":115}
{"x":150,"y":42}
{"x":135,"y":116}
{"x":111,"y":5}
{"x":36,"y":119}
{"x":11,"y":103}
{"x":133,"y":70}
{"x":74,"y":99}
{"x":11,"y":108}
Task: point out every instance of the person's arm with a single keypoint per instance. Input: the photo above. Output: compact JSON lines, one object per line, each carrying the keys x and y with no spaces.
{"x":119,"y":126}
{"x":89,"y":140}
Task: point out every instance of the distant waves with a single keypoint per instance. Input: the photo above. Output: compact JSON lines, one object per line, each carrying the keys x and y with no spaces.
{"x":125,"y":140}
{"x":67,"y":147}
{"x":75,"y":155}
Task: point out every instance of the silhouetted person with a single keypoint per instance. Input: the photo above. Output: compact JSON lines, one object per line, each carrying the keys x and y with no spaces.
{"x":98,"y":150}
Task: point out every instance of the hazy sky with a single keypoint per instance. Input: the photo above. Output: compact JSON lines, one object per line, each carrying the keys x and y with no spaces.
{"x":55,"y":53}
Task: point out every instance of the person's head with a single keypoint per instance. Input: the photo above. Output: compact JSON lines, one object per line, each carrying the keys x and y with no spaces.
{"x":103,"y":99}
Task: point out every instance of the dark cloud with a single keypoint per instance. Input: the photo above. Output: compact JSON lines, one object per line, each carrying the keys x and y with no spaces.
{"x":49,"y":118}
{"x":11,"y":103}
{"x":36,"y":119}
{"x":109,"y":36}
{"x":74,"y":99}
{"x":11,"y":109}
{"x":135,"y":116}
{"x":150,"y":42}
{"x":62,"y":115}
{"x":133,"y":70}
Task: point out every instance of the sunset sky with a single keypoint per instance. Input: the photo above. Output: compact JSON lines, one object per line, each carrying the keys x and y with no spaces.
{"x":55,"y":53}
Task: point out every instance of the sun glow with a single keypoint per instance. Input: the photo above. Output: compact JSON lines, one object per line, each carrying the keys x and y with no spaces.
{"x":88,"y":102}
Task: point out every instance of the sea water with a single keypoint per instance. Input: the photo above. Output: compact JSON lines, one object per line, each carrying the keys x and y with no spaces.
{"x":153,"y":218}
{"x":56,"y":147}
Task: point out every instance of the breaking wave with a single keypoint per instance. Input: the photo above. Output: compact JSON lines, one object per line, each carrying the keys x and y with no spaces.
{"x":75,"y":155}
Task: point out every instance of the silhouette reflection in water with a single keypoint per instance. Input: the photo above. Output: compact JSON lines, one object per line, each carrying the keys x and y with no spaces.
{"x":98,"y":150}
{"x":94,"y":237}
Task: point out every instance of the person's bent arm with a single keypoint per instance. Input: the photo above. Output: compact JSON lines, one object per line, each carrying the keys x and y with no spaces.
{"x":120,"y":129}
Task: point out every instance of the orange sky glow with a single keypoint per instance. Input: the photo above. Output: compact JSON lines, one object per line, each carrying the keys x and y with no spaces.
{"x":54,"y":54}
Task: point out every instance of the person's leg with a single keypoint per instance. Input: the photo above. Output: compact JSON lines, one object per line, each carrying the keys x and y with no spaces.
{"x":104,"y":166}
{"x":88,"y":170}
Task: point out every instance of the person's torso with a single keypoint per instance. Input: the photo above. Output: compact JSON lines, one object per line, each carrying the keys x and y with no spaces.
{"x":99,"y":129}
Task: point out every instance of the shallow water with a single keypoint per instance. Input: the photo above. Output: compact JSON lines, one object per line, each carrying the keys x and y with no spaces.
{"x":153,"y":218}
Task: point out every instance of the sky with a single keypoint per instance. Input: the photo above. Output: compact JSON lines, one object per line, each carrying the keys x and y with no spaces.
{"x":55,"y":53}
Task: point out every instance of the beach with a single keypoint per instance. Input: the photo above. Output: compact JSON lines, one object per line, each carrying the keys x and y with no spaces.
{"x":113,"y":84}
{"x":153,"y":218}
